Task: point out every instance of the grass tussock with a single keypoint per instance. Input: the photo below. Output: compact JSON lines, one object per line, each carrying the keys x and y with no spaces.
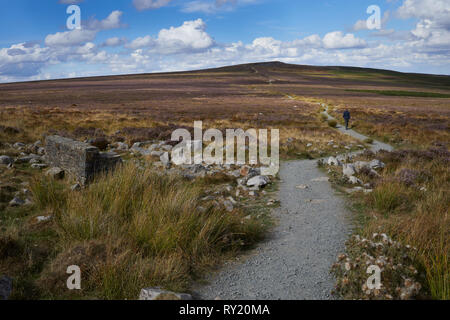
{"x":137,"y":228}
{"x":332,"y":123}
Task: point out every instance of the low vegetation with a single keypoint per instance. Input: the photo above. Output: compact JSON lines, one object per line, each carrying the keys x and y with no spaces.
{"x":127,"y":230}
{"x":410,"y":203}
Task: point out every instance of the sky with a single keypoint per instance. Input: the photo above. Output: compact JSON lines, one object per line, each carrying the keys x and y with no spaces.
{"x":140,"y":36}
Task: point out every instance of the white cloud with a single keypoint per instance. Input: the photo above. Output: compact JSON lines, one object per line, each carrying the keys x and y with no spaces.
{"x":114,"y":42}
{"x":337,"y":40}
{"x":70,"y":38}
{"x":141,"y":42}
{"x":87,"y":33}
{"x":189,"y":37}
{"x":111,"y":22}
{"x":150,"y":4}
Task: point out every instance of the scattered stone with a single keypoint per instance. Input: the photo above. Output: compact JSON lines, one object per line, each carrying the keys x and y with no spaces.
{"x":156,"y":153}
{"x":377,"y":164}
{"x":309,"y":145}
{"x":258,"y":181}
{"x":39,"y":166}
{"x":302,"y":187}
{"x":6,"y":160}
{"x":75,"y":187}
{"x":41,"y":151}
{"x":348,"y":170}
{"x":56,"y":173}
{"x":16,"y":202}
{"x":354,"y":180}
{"x":228,"y":205}
{"x":44,"y":218}
{"x":332,"y":161}
{"x":18,"y":145}
{"x":5,"y":287}
{"x":159,"y":294}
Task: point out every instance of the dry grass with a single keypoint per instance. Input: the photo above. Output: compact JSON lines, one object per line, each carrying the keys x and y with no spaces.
{"x":135,"y":228}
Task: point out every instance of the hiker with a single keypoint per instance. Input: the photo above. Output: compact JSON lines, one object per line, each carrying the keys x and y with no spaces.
{"x":346,"y":118}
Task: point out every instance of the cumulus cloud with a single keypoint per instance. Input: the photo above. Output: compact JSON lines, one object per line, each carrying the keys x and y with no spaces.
{"x":150,"y":4}
{"x":337,"y":40}
{"x":110,"y":22}
{"x":70,"y":38}
{"x":87,"y":33}
{"x":191,"y":36}
{"x":432,"y":31}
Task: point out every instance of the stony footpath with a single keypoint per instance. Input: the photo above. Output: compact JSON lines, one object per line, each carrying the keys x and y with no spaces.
{"x":312,"y":226}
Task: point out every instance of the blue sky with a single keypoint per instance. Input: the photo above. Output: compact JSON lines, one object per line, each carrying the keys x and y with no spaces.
{"x":134,"y":36}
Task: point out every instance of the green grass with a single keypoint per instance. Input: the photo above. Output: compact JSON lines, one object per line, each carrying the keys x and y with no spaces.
{"x":405,"y":93}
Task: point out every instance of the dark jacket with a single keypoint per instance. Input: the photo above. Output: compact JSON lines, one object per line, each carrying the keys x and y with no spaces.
{"x":347,"y":115}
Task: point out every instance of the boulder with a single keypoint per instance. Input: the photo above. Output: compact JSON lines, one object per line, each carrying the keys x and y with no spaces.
{"x":159,"y":294}
{"x":55,"y":173}
{"x":5,"y":287}
{"x":258,"y":181}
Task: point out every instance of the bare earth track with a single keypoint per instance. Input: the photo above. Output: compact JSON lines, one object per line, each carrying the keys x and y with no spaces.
{"x":294,"y":262}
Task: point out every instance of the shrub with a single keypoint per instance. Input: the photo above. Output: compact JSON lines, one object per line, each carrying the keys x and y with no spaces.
{"x":387,"y":197}
{"x":332,"y":123}
{"x":368,"y":140}
{"x":400,"y":277}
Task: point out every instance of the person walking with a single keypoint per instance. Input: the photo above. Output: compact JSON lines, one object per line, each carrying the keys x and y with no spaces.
{"x":347,"y":118}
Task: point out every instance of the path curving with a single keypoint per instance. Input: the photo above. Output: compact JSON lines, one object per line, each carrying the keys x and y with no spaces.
{"x":294,"y":262}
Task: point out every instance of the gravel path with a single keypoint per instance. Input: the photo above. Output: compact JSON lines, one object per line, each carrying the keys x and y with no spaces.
{"x":295,"y":261}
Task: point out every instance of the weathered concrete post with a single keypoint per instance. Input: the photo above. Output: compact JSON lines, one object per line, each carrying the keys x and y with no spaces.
{"x":79,"y":159}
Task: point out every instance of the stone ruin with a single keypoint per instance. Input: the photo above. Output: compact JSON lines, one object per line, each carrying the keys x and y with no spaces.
{"x":79,"y":159}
